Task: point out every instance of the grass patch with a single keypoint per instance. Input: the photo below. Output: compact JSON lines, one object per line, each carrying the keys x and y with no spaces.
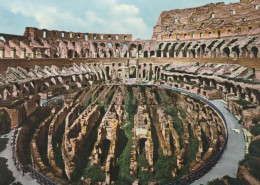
{"x":124,"y":159}
{"x":177,"y":122}
{"x":242,"y":102}
{"x":191,"y":153}
{"x":255,"y":130}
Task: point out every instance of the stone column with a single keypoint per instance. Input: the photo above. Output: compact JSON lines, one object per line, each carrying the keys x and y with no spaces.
{"x":13,"y":53}
{"x":161,"y":53}
{"x":2,"y":52}
{"x":168,"y":54}
{"x":124,"y":73}
{"x":23,"y":53}
{"x":127,"y":54}
{"x":149,"y":55}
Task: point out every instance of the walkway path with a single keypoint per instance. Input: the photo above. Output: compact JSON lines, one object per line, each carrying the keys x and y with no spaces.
{"x":7,"y":154}
{"x":235,"y":149}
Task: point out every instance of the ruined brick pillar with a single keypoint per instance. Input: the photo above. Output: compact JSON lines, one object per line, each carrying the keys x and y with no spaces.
{"x":2,"y":52}
{"x":13,"y":53}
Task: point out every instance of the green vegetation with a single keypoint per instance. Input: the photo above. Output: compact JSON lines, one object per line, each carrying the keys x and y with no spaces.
{"x":208,"y":88}
{"x":124,"y":159}
{"x":163,"y":165}
{"x":191,"y":153}
{"x":183,"y":113}
{"x":252,"y":164}
{"x":242,"y":102}
{"x":254,"y":148}
{"x":177,"y":122}
{"x":83,"y":167}
{"x":95,"y":173}
{"x":144,"y":176}
{"x":256,"y":120}
{"x":91,"y":171}
{"x":232,"y":181}
{"x":255,"y":130}
{"x":216,"y":182}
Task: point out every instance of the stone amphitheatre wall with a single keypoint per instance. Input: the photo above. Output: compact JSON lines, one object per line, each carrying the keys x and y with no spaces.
{"x":209,"y":21}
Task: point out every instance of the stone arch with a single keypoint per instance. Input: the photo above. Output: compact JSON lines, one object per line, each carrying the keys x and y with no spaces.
{"x":249,"y":93}
{"x":3,"y":39}
{"x":226,"y":51}
{"x":5,"y":121}
{"x":145,"y":54}
{"x":119,"y":73}
{"x":70,"y":53}
{"x":141,"y":144}
{"x":152,"y":53}
{"x":236,"y":51}
{"x":256,"y":94}
{"x":107,"y":71}
{"x":158,"y":53}
{"x":193,"y":54}
{"x":254,"y":51}
{"x":140,"y":50}
{"x":133,"y":50}
{"x":144,"y":73}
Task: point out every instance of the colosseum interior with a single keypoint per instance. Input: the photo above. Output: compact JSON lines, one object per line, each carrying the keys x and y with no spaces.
{"x":89,"y":108}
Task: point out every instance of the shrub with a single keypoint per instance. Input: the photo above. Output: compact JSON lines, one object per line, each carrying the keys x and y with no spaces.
{"x":255,"y":130}
{"x":242,"y":102}
{"x":216,"y":182}
{"x":254,"y":148}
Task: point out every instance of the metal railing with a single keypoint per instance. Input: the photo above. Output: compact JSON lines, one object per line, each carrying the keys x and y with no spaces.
{"x":188,"y":179}
{"x":40,"y":178}
{"x":52,"y":100}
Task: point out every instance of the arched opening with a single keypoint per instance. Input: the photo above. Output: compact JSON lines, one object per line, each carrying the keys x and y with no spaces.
{"x":140,"y":48}
{"x":193,"y":53}
{"x":111,"y":53}
{"x":159,"y":53}
{"x":2,"y":39}
{"x":133,"y":50}
{"x":145,"y":54}
{"x":226,"y":51}
{"x":5,"y":121}
{"x":236,"y":51}
{"x":142,"y":145}
{"x":70,"y":53}
{"x":119,"y":73}
{"x":105,"y":150}
{"x":144,"y":73}
{"x":152,"y":54}
{"x":254,"y":51}
{"x":107,"y":71}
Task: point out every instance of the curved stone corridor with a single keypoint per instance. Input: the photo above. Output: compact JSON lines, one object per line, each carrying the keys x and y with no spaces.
{"x":235,"y":149}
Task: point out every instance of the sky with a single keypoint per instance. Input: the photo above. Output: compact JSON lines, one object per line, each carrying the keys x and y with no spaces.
{"x":135,"y":17}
